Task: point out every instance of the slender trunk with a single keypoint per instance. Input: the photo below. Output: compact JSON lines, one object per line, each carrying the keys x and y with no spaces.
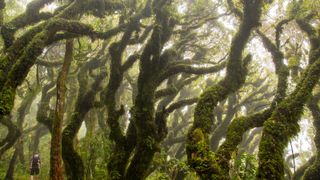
{"x":40,"y":132}
{"x":10,"y":171}
{"x":84,"y":102}
{"x":56,"y":172}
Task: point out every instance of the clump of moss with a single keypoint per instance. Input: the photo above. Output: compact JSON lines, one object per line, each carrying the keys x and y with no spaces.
{"x":6,"y":101}
{"x":283,"y":125}
{"x":200,"y":158}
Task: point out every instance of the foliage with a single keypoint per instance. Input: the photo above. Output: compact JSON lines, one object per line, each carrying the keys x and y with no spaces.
{"x":95,"y":151}
{"x":166,"y":167}
{"x":244,"y":166}
{"x":165,"y":89}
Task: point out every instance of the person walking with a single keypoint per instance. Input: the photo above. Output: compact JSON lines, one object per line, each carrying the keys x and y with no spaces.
{"x":35,"y":166}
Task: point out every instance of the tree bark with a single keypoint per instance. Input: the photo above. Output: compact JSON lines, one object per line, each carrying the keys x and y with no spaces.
{"x":12,"y":164}
{"x":56,"y":172}
{"x":200,"y":158}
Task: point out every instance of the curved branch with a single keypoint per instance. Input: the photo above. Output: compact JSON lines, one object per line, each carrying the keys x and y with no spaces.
{"x":313,"y":38}
{"x":29,"y":17}
{"x":182,"y":68}
{"x":130,"y":61}
{"x":173,"y":90}
{"x":200,"y":157}
{"x":48,"y":63}
{"x":180,"y":104}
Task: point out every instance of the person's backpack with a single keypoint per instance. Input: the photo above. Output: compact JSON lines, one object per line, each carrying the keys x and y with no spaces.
{"x":35,"y":162}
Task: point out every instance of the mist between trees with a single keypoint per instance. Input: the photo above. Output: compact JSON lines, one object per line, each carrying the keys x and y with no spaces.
{"x":160,"y":89}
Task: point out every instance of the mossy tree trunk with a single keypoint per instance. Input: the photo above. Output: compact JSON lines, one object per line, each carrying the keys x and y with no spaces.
{"x":21,"y":53}
{"x":124,"y":143}
{"x":85,"y":101}
{"x":283,"y":124}
{"x":121,"y":154}
{"x":313,"y":172}
{"x":151,"y":64}
{"x":242,"y":124}
{"x":200,"y":158}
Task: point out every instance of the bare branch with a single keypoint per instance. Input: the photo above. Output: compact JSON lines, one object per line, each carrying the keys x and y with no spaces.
{"x":181,"y":104}
{"x":183,"y":68}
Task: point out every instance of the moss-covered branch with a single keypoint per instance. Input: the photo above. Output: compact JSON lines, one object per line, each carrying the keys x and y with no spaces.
{"x":130,"y":61}
{"x":199,"y":156}
{"x":151,"y":63}
{"x":313,"y":171}
{"x":31,"y":16}
{"x":314,"y":39}
{"x":240,"y":125}
{"x":120,"y":157}
{"x":283,"y":123}
{"x":48,"y":63}
{"x":20,"y":69}
{"x":43,"y":114}
{"x":39,"y":37}
{"x":281,"y":69}
{"x":85,"y":102}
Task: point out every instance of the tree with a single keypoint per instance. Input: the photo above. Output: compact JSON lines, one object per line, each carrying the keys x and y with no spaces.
{"x":159,"y":89}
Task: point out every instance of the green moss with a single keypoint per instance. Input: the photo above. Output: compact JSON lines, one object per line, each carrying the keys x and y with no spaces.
{"x":72,"y":160}
{"x":200,"y":158}
{"x":293,"y":61}
{"x":203,"y":116}
{"x":198,"y":152}
{"x":283,"y":125}
{"x":6,"y":100}
{"x":313,"y":172}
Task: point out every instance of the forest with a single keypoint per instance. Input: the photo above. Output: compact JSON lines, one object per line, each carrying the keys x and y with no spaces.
{"x":160,"y":89}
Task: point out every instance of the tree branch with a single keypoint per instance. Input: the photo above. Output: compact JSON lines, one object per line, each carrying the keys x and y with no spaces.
{"x":180,"y":104}
{"x":183,"y":68}
{"x":173,"y":90}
